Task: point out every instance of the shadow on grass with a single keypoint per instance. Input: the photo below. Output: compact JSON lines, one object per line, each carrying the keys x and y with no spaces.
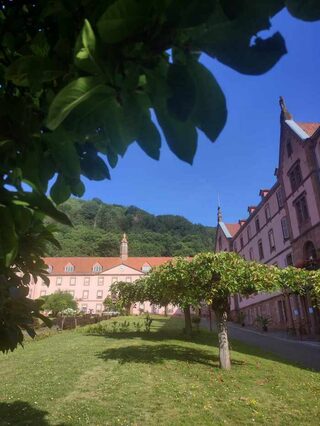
{"x":158,"y":354}
{"x":22,"y":413}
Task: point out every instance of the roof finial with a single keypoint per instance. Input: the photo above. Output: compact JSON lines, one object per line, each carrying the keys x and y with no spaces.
{"x":219,"y":210}
{"x":285,"y":114}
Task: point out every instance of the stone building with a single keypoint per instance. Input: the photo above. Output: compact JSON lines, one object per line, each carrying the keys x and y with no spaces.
{"x":284,"y":228}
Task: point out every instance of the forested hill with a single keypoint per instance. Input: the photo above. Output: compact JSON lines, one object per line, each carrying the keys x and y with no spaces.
{"x":98,"y":228}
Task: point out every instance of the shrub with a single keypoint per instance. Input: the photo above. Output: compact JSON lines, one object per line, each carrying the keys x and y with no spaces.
{"x":147,"y":323}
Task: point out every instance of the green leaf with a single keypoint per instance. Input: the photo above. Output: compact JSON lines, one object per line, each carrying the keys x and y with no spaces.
{"x":60,"y":190}
{"x":39,"y":202}
{"x":8,"y":237}
{"x":122,"y":19}
{"x":256,"y":59}
{"x":180,"y":136}
{"x":149,"y":139}
{"x":183,"y":94}
{"x":72,"y":96}
{"x":32,"y":71}
{"x":307,"y":10}
{"x":210,"y":113}
{"x":64,"y":153}
{"x":77,"y":188}
{"x":93,"y":167}
{"x":85,"y":50}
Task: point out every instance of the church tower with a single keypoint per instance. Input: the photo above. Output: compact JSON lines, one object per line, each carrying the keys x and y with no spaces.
{"x":124,"y":248}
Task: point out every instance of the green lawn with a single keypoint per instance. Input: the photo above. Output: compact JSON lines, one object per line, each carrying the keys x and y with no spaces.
{"x":161,"y":378}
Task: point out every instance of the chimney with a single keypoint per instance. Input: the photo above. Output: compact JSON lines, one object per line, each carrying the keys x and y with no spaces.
{"x":124,"y":248}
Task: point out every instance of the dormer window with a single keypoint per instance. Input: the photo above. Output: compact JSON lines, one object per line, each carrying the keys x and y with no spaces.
{"x":69,"y":268}
{"x":146,"y":268}
{"x":50,"y":268}
{"x":97,"y":268}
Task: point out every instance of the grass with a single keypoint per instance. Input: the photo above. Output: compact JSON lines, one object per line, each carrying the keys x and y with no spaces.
{"x":161,"y":378}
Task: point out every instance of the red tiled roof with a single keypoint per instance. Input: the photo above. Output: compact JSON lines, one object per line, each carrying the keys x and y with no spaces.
{"x":233,"y":228}
{"x":309,"y":128}
{"x":83,"y":265}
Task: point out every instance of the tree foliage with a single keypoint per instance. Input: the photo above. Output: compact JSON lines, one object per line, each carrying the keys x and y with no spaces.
{"x":212,"y":278}
{"x":97,"y":228}
{"x":58,"y":302}
{"x":78,"y":81}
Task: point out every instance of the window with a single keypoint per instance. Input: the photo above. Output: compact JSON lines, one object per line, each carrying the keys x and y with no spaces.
{"x":289,"y":260}
{"x":280,"y":198}
{"x":84,"y":307}
{"x":114,"y":280}
{"x":87,"y":281}
{"x":302,"y":209}
{"x":97,"y":268}
{"x":128,"y":279}
{"x":249,"y":232}
{"x":85,"y":294}
{"x":251,"y":254}
{"x":285,"y":228}
{"x":260,"y":250}
{"x":271,"y":240}
{"x":98,"y":307}
{"x":99,"y":294}
{"x":50,"y":268}
{"x":69,"y":268}
{"x":267,"y":213}
{"x":295,"y":176}
{"x":241,"y":241}
{"x":289,"y":148}
{"x":42,"y":292}
{"x":71,"y":292}
{"x":100,"y":280}
{"x":73,"y":281}
{"x":59,"y":281}
{"x":257,"y":224}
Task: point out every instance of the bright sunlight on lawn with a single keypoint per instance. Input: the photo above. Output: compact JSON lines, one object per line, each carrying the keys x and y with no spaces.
{"x":136,"y":378}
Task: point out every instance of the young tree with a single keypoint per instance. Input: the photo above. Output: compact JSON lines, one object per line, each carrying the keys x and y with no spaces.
{"x":213,"y":278}
{"x":58,"y":302}
{"x":78,"y":81}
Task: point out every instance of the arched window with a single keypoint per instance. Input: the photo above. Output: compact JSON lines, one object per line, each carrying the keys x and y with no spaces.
{"x":309,"y":251}
{"x":69,"y":268}
{"x":97,"y":268}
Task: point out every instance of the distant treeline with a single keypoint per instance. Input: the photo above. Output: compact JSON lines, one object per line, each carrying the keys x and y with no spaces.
{"x":98,"y":228}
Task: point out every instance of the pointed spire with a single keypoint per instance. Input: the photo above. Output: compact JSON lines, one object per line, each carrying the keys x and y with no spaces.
{"x":124,"y":247}
{"x":219,"y":210}
{"x":285,"y":114}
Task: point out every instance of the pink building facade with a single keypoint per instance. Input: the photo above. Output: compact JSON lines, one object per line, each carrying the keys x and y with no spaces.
{"x":283,"y":229}
{"x":89,"y":279}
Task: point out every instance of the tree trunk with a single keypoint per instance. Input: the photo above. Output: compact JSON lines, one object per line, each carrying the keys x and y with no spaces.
{"x":224,"y":353}
{"x":187,"y":320}
{"x":166,"y":310}
{"x":62,"y":322}
{"x":75,"y":322}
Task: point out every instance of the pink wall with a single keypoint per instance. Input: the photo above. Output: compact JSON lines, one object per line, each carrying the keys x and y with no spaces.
{"x":90,"y":290}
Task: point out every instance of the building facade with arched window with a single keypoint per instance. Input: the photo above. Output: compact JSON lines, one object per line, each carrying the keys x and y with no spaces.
{"x":284,"y":228}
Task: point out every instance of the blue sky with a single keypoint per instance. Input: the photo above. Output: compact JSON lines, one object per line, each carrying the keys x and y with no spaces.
{"x":243,"y":159}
